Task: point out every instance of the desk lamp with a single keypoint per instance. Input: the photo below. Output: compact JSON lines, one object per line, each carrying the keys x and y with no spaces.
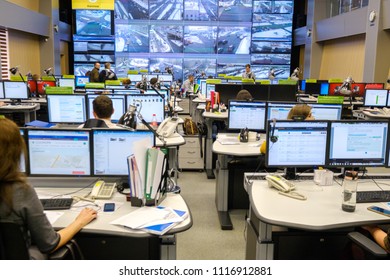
{"x":294,"y":75}
{"x":48,"y":72}
{"x":15,"y":70}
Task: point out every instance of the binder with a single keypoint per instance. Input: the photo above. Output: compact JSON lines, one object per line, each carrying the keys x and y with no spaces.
{"x":155,"y":163}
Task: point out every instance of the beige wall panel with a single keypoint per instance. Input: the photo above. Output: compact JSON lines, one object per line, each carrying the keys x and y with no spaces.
{"x":24,"y":52}
{"x":64,"y":54}
{"x":342,"y":58}
{"x":28,"y":4}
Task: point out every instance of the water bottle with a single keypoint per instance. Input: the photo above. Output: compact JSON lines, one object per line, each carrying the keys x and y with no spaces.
{"x":349,"y":191}
{"x":154,"y":122}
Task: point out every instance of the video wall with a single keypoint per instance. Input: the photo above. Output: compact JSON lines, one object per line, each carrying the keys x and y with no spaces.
{"x":200,"y":37}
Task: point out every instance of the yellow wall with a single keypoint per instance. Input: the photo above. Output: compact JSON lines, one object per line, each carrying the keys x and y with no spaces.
{"x":24,"y":52}
{"x":342,"y":58}
{"x":28,"y":4}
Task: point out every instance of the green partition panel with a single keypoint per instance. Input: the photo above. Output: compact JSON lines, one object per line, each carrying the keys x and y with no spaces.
{"x":94,"y":85}
{"x":330,"y":99}
{"x":59,"y":90}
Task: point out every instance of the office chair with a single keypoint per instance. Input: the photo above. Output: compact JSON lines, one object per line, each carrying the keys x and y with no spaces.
{"x":13,"y":246}
{"x":90,"y":123}
{"x":371,"y":249}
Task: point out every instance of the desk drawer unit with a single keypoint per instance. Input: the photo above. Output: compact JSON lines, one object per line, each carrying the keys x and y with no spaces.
{"x":190,"y":155}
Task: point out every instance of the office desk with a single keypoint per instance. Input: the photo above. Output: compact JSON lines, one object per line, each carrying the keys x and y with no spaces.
{"x":28,"y":109}
{"x":172,"y":143}
{"x":320,"y":212}
{"x":209,"y":118}
{"x":100,"y":230}
{"x":225,"y":152}
{"x":196,"y":107}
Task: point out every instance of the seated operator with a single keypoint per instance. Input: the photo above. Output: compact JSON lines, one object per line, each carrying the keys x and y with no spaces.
{"x":298,"y":112}
{"x":102,"y":110}
{"x":244,"y":95}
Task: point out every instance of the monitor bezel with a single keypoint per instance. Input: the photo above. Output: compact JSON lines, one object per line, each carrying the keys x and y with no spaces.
{"x":386,"y":148}
{"x":270,"y":128}
{"x":111,"y":96}
{"x":145,"y":95}
{"x":65,"y":96}
{"x":25,"y":97}
{"x":59,"y":129}
{"x":364,"y":98}
{"x":93,"y":130}
{"x":251,"y":102}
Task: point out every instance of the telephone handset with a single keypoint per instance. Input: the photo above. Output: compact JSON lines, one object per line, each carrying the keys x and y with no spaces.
{"x":279,"y":183}
{"x":102,"y":190}
{"x":168,"y":127}
{"x":284,"y":186}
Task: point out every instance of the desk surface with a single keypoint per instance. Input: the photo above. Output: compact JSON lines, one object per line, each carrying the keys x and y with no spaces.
{"x":239,"y":149}
{"x":175,"y":140}
{"x":321,"y":210}
{"x":102,"y":224}
{"x":216,"y":115}
{"x":20,"y":107}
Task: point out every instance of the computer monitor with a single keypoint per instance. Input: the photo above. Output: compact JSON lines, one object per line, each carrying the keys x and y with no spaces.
{"x":374,"y":85}
{"x":59,"y":152}
{"x":32,"y":85}
{"x":62,"y":82}
{"x":247,"y":114}
{"x":358,"y":89}
{"x":81,"y":81}
{"x":312,"y":88}
{"x":147,"y":105}
{"x":283,"y":92}
{"x":357,"y":143}
{"x":334,"y":88}
{"x":118,"y":102}
{"x":227,"y":92}
{"x":258,"y":91}
{"x":65,"y":108}
{"x":376,"y":97}
{"x":296,"y":143}
{"x":111,"y":147}
{"x":209,"y":89}
{"x":278,"y":110}
{"x":302,"y":85}
{"x":1,"y":90}
{"x":15,"y":90}
{"x":127,"y":91}
{"x":134,"y":78}
{"x":326,"y":111}
{"x":165,"y":78}
{"x":203,"y":88}
{"x":324,"y":88}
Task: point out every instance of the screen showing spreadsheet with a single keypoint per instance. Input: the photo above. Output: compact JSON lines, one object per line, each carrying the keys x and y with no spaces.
{"x":118,"y":102}
{"x":298,"y":143}
{"x":147,"y":105}
{"x":376,"y":97}
{"x":65,"y":108}
{"x":247,"y":114}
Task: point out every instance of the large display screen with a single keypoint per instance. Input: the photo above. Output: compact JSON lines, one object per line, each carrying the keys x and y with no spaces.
{"x":220,"y":36}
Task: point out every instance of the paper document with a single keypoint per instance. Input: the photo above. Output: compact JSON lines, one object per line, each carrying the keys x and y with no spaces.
{"x":228,"y":139}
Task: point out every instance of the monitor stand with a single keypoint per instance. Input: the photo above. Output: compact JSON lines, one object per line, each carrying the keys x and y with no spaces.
{"x":290,"y":173}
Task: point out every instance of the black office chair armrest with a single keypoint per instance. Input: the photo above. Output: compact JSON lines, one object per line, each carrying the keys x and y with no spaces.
{"x":70,"y":251}
{"x":367,"y":244}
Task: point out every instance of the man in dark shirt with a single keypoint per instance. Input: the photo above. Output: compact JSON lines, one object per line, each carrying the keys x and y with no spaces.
{"x":94,"y":75}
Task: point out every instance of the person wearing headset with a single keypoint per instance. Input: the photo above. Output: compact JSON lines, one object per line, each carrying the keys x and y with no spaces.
{"x":19,"y":202}
{"x":298,"y":112}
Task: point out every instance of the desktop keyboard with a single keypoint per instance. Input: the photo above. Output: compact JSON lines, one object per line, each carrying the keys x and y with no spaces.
{"x":372,"y":196}
{"x":56,"y":203}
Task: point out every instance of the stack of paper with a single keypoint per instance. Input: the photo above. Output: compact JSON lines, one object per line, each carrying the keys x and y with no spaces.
{"x":155,"y":220}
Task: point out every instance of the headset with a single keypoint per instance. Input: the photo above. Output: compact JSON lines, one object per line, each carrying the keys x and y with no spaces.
{"x":273,"y":138}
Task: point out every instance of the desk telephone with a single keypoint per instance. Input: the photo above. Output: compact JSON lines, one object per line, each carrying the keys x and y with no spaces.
{"x":168,"y":127}
{"x":102,"y":190}
{"x":284,"y":186}
{"x":383,"y":111}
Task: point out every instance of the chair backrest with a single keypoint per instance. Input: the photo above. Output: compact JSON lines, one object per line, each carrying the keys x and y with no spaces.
{"x":90,"y":123}
{"x":12,"y":243}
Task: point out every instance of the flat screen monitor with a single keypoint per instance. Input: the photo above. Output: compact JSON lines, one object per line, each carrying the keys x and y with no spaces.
{"x":15,"y":90}
{"x":357,"y":143}
{"x":62,"y":82}
{"x":278,"y":110}
{"x":247,"y":114}
{"x":227,"y":92}
{"x":93,"y":22}
{"x":59,"y":152}
{"x":376,"y":97}
{"x":302,"y":85}
{"x":209,"y":89}
{"x":65,"y":108}
{"x":134,"y":78}
{"x":334,"y":88}
{"x":81,"y":81}
{"x":118,"y":102}
{"x":32,"y":85}
{"x":1,"y":90}
{"x":111,"y":147}
{"x":326,"y":111}
{"x":298,"y":143}
{"x":324,"y":88}
{"x":127,"y":91}
{"x":283,"y":92}
{"x":258,"y":91}
{"x":42,"y":85}
{"x":312,"y":88}
{"x":358,"y":89}
{"x":166,"y":78}
{"x":147,"y":105}
{"x":203,"y":84}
